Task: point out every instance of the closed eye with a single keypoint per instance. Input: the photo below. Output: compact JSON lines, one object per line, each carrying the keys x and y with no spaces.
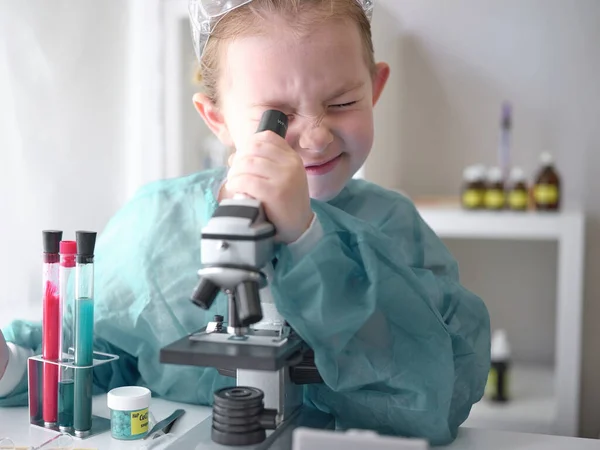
{"x":343,"y":105}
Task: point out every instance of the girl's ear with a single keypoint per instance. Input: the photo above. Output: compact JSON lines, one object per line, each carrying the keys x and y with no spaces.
{"x":382,"y":73}
{"x":213,"y":118}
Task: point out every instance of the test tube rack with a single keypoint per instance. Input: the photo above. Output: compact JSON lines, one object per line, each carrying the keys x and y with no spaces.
{"x":35,"y":371}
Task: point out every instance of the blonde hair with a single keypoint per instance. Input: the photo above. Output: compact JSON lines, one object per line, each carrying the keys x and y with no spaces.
{"x":301,"y":15}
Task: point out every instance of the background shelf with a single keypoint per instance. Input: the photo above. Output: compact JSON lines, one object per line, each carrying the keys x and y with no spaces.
{"x":531,"y":408}
{"x":451,"y":221}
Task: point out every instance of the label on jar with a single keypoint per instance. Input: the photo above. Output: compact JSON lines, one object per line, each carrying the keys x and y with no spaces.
{"x":492,"y":383}
{"x":517,"y":199}
{"x":494,"y":198}
{"x":473,"y":198}
{"x":545,"y":194}
{"x":139,"y":422}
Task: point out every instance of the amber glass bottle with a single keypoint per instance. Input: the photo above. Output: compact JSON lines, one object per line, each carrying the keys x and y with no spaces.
{"x":547,"y":186}
{"x":473,"y":190}
{"x":518,"y":194}
{"x":495,"y":197}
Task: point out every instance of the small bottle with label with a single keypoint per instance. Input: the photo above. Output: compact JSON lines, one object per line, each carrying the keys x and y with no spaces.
{"x":495,"y":198}
{"x":518,"y":195}
{"x":497,"y":384}
{"x":473,"y":190}
{"x":546,"y":190}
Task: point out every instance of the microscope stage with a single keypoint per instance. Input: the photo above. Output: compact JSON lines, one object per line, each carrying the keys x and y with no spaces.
{"x":218,"y":350}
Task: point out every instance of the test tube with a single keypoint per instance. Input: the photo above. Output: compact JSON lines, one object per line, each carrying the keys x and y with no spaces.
{"x":50,"y":326}
{"x":68,"y":250}
{"x":84,"y":332}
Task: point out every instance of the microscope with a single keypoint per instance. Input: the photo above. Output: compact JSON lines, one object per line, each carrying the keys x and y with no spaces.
{"x":270,"y":363}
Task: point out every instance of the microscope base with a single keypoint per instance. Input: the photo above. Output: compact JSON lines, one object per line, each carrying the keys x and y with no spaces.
{"x":199,"y":437}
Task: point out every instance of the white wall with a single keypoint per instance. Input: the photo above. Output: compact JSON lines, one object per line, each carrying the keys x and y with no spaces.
{"x":62,"y":133}
{"x":453,"y":63}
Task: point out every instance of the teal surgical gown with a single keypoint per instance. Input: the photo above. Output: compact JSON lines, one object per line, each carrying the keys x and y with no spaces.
{"x":402,"y":346}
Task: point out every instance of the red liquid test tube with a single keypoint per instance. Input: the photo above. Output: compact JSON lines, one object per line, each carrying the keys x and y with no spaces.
{"x":51,"y":326}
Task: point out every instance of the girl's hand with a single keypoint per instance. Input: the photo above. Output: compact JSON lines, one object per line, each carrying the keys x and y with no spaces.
{"x":269,"y":170}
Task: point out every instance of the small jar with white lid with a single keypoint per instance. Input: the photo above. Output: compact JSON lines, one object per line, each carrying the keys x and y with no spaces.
{"x":495,"y":197}
{"x":473,"y":190}
{"x":129,"y":412}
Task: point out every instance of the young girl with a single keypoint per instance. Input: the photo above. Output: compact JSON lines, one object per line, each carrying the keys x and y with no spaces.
{"x":402,"y":347}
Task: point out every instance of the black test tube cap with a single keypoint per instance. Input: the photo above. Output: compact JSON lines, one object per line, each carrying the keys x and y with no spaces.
{"x":86,"y":243}
{"x":275,"y":121}
{"x":52,"y":240}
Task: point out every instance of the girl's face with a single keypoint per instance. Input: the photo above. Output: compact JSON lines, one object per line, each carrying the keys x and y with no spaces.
{"x":320,"y":80}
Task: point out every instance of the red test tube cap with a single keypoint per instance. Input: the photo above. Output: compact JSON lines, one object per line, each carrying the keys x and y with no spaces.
{"x":68,"y":247}
{"x":68,"y":250}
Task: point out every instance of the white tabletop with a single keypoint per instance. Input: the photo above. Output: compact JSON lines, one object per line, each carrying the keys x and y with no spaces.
{"x":14,"y":423}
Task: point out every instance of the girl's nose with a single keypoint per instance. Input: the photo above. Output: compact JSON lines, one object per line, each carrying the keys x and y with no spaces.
{"x":315,"y":138}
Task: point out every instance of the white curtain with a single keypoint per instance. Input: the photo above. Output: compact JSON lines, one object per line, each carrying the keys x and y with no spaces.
{"x":62,"y":133}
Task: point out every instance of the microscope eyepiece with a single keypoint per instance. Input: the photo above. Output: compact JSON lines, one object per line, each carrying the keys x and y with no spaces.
{"x":275,"y":121}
